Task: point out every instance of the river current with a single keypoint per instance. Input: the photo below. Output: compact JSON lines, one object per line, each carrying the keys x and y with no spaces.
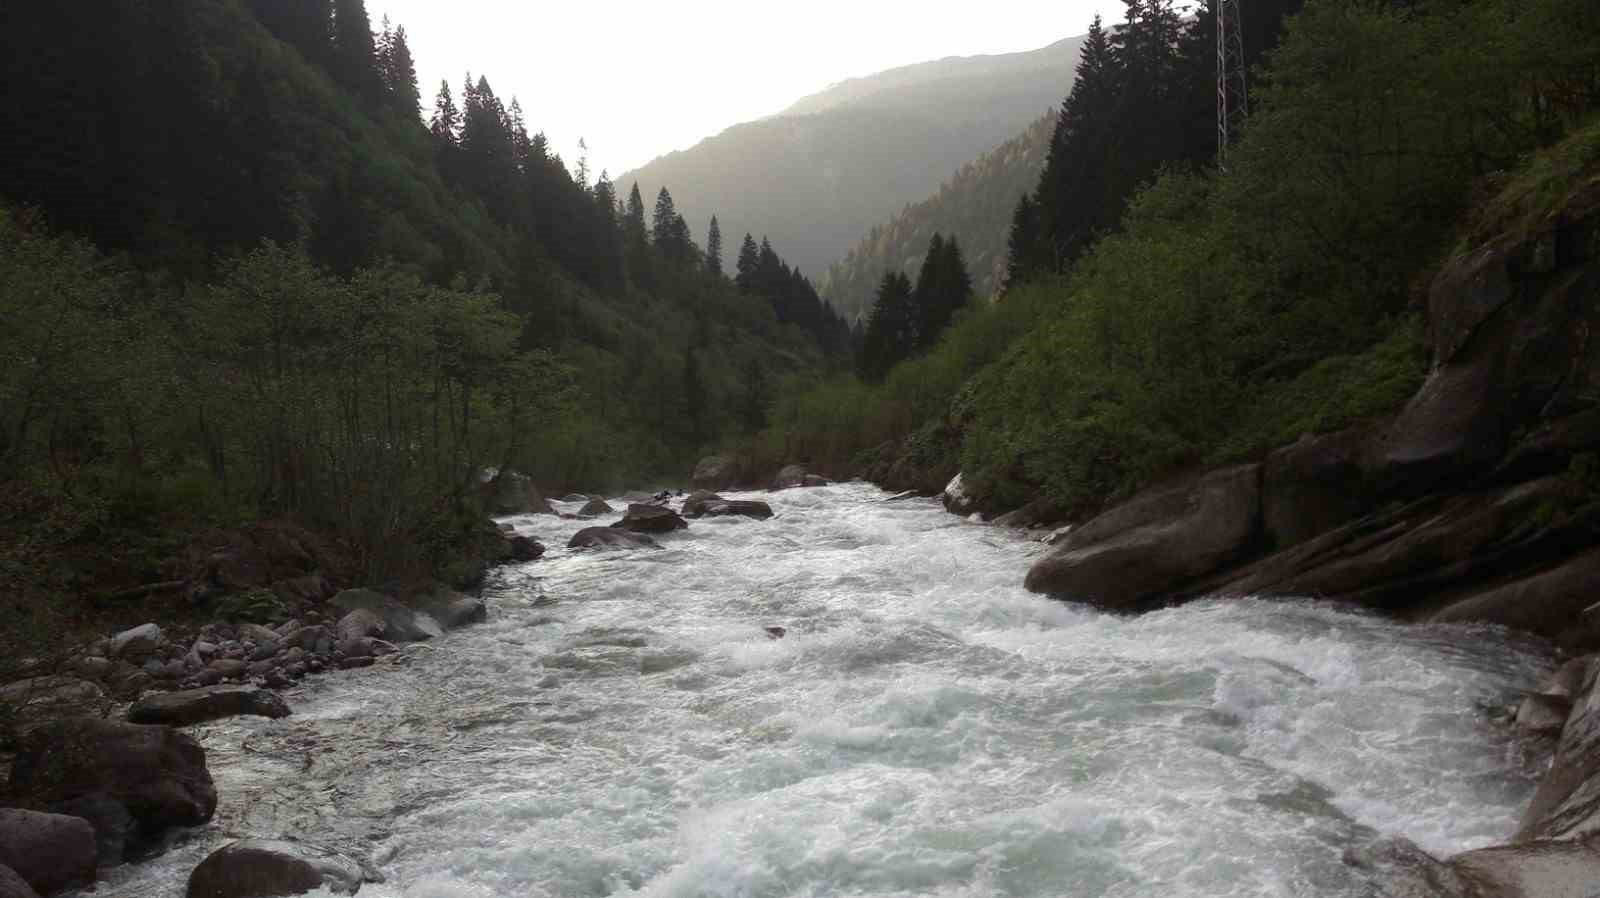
{"x":624,"y":725}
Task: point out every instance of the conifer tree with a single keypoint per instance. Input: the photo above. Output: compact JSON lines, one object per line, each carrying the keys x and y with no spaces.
{"x":714,"y":248}
{"x":1023,"y":242}
{"x":749,"y":262}
{"x":664,"y":227}
{"x":302,"y":24}
{"x":889,"y":333}
{"x":694,"y":397}
{"x":355,"y":63}
{"x":398,"y":69}
{"x":636,"y":241}
{"x":446,"y":121}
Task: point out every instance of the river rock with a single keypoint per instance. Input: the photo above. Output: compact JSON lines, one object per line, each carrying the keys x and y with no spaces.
{"x":92,"y":667}
{"x":717,"y":472}
{"x":50,"y":852}
{"x":358,"y":623}
{"x":610,"y":538}
{"x":694,"y":505}
{"x":789,"y":477}
{"x":115,"y":831}
{"x":744,"y":508}
{"x":1543,"y":715}
{"x":157,"y":773}
{"x":1551,"y":603}
{"x":957,"y":499}
{"x":650,"y":519}
{"x":228,"y":668}
{"x":1314,"y":485}
{"x":137,"y":642}
{"x":1532,"y":870}
{"x":525,"y":548}
{"x":38,"y":699}
{"x":401,"y":624}
{"x":1570,"y":678}
{"x":257,"y":868}
{"x":512,"y":493}
{"x":1157,"y":542}
{"x":193,"y":706}
{"x":595,"y":507}
{"x":257,"y":633}
{"x":1041,"y":512}
{"x":315,"y":639}
{"x":14,"y":886}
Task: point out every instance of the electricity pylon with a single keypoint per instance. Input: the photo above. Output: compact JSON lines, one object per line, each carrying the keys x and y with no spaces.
{"x":1233,"y":100}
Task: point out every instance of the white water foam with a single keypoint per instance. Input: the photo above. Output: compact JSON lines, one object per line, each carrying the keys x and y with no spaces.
{"x":926,"y":727}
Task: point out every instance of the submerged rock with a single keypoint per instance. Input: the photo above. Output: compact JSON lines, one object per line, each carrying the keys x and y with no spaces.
{"x":258,"y":868}
{"x":525,"y":548}
{"x":193,"y":706}
{"x":610,"y":538}
{"x":50,"y":852}
{"x":595,"y":507}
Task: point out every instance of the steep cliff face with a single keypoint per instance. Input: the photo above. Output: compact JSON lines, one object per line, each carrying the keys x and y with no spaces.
{"x":1478,"y":501}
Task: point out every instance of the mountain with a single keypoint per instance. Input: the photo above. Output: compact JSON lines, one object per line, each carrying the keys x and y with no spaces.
{"x":975,"y":206}
{"x":817,"y":176}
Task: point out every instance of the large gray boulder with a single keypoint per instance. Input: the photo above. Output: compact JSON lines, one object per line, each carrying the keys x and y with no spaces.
{"x":1156,"y":543}
{"x":39,"y":699}
{"x":358,"y":623}
{"x":790,"y":477}
{"x":14,"y":886}
{"x":258,"y":868}
{"x":137,"y":642}
{"x":51,"y":852}
{"x":157,"y":773}
{"x":512,"y":493}
{"x":694,"y":505}
{"x":705,"y":504}
{"x":401,"y":623}
{"x":1314,"y":485}
{"x":610,"y":538}
{"x":193,"y":706}
{"x":595,"y":507}
{"x":1548,"y":603}
{"x":717,"y":472}
{"x":650,"y":519}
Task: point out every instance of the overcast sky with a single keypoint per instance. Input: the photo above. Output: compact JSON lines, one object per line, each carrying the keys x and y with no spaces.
{"x":638,"y":80}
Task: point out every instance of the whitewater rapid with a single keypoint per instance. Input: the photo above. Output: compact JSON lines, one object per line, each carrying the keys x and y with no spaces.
{"x":623,"y":725}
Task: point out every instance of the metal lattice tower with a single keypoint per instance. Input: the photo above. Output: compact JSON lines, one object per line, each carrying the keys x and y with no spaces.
{"x":1233,"y":100}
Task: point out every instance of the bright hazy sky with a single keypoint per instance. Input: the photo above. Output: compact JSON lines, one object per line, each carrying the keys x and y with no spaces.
{"x":638,"y":80}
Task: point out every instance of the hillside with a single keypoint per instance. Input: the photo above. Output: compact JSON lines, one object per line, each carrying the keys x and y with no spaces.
{"x":818,"y":176}
{"x":975,"y":206}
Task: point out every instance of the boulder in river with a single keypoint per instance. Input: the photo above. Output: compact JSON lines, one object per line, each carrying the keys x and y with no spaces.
{"x":650,"y":519}
{"x":1543,"y":715}
{"x":744,"y":508}
{"x":509,"y":492}
{"x":524,"y":548}
{"x":136,"y":642}
{"x":51,"y":852}
{"x":595,"y":507}
{"x":718,"y":472}
{"x":193,"y":706}
{"x":610,"y":538}
{"x":401,"y":624}
{"x":789,"y":477}
{"x":358,"y":623}
{"x":259,"y":868}
{"x":157,"y":773}
{"x":1156,"y":542}
{"x":14,"y":886}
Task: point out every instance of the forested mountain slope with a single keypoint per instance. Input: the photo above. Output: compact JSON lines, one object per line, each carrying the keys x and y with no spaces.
{"x":818,"y":176}
{"x":974,"y":206}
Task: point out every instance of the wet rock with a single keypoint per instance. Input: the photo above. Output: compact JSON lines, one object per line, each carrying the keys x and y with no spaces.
{"x":957,"y":499}
{"x":358,"y":623}
{"x":610,"y":538}
{"x":265,"y":650}
{"x":366,"y":647}
{"x":137,"y":642}
{"x":257,"y":868}
{"x":1314,"y":486}
{"x":1549,"y":603}
{"x":1400,"y":869}
{"x":401,"y":624}
{"x":525,"y":548}
{"x":315,"y":639}
{"x":453,"y":610}
{"x":717,"y":472}
{"x":595,"y":507}
{"x":694,"y":505}
{"x":193,"y":706}
{"x":815,"y":480}
{"x":1157,"y":542}
{"x":776,"y":632}
{"x":356,"y":662}
{"x":92,"y":667}
{"x":650,"y":519}
{"x":114,"y":829}
{"x":1569,"y":679}
{"x":227,"y":668}
{"x":1041,"y":512}
{"x":157,"y":773}
{"x":1543,"y":715}
{"x":14,"y":886}
{"x":1532,"y":870}
{"x":744,"y":508}
{"x":51,"y":852}
{"x":512,"y":493}
{"x":38,"y":699}
{"x":257,"y":633}
{"x":790,"y":477}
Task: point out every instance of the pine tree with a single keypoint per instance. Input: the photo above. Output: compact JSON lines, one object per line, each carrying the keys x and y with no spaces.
{"x":664,"y":227}
{"x":1023,"y":243}
{"x":398,"y":70}
{"x":636,"y":241}
{"x":302,"y":24}
{"x":714,"y":248}
{"x":928,"y":293}
{"x":355,"y":63}
{"x":749,"y":262}
{"x":889,"y":332}
{"x":446,"y":121}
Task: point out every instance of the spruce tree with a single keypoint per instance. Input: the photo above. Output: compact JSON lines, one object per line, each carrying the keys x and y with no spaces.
{"x":398,"y":69}
{"x":636,"y":241}
{"x":889,"y":331}
{"x":714,"y":248}
{"x":749,"y":262}
{"x":664,"y":227}
{"x":1023,"y":244}
{"x":355,"y":63}
{"x":446,"y":121}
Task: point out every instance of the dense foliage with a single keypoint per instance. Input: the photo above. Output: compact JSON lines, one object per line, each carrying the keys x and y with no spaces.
{"x":1234,"y":310}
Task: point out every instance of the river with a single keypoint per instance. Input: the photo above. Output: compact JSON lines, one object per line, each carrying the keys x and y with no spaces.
{"x":624,"y":725}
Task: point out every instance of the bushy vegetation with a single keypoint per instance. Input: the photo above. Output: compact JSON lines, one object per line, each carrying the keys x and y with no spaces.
{"x":1232,"y":310}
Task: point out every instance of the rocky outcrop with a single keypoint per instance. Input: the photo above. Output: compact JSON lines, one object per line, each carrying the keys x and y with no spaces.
{"x":610,"y":538}
{"x":509,"y":492}
{"x":1139,"y":552}
{"x":793,"y":476}
{"x":257,"y":868}
{"x":192,"y":706}
{"x":158,"y":774}
{"x":956,"y":499}
{"x":50,"y":852}
{"x":650,"y":519}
